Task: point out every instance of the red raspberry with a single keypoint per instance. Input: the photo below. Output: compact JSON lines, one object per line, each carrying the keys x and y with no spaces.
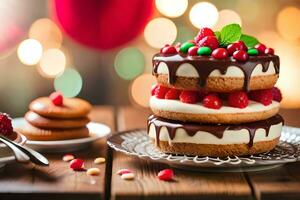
{"x":168,"y":50}
{"x":189,"y":97}
{"x":57,"y":98}
{"x":212,"y":101}
{"x":193,"y":51}
{"x":203,"y":33}
{"x":260,"y":48}
{"x":263,"y":96}
{"x":166,"y":175}
{"x":269,"y":51}
{"x":240,"y":55}
{"x":209,"y":41}
{"x":153,"y":88}
{"x":219,"y":53}
{"x":5,"y":124}
{"x":238,"y":99}
{"x":277,"y":96}
{"x":161,"y":91}
{"x":172,"y":94}
{"x":77,"y":164}
{"x":240,"y":45}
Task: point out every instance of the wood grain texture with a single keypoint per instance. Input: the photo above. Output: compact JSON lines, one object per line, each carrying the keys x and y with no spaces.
{"x":283,"y":182}
{"x":58,"y":181}
{"x":190,"y":185}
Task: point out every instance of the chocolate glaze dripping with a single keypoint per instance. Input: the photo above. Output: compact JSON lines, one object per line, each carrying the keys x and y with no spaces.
{"x":217,"y":130}
{"x":205,"y":65}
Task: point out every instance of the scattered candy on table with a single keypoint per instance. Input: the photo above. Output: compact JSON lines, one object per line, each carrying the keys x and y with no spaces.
{"x":123,"y":171}
{"x":93,"y":171}
{"x":77,"y":164}
{"x":166,"y":175}
{"x":68,"y":157}
{"x":99,"y":160}
{"x":128,"y":176}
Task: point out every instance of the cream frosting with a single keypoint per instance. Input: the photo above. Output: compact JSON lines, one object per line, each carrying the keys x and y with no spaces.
{"x":229,"y":136}
{"x":178,"y":106}
{"x":188,"y":70}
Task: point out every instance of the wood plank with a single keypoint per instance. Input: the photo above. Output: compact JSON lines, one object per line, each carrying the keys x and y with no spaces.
{"x":283,"y":182}
{"x":57,"y":181}
{"x":193,"y":185}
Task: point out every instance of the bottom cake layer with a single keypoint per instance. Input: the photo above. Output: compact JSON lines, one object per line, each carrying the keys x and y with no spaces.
{"x":215,"y":140}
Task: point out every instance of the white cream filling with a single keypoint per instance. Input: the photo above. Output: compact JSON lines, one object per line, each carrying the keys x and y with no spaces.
{"x":188,"y":70}
{"x":229,"y":137}
{"x":178,"y":106}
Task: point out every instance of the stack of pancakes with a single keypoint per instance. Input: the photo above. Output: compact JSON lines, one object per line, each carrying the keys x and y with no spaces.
{"x":193,"y":129}
{"x":48,"y":122}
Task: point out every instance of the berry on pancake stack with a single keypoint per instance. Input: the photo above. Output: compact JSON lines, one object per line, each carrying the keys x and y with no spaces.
{"x":215,"y":96}
{"x":56,"y":118}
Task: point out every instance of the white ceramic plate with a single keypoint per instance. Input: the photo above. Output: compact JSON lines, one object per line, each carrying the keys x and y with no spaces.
{"x":6,"y":155}
{"x":97,"y":131}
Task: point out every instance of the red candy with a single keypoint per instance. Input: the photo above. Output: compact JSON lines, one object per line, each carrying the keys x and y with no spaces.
{"x":269,"y":51}
{"x":263,"y":96}
{"x":160,"y":92}
{"x":212,"y":101}
{"x":57,"y":98}
{"x":219,"y":53}
{"x":5,"y":124}
{"x":172,"y":94}
{"x":77,"y":164}
{"x":189,"y":97}
{"x":153,"y":88}
{"x":193,"y":51}
{"x":209,"y":41}
{"x":165,"y":175}
{"x":240,"y":55}
{"x":277,"y":96}
{"x":168,"y":50}
{"x":260,"y":48}
{"x":236,"y":46}
{"x":238,"y":99}
{"x":203,"y":33}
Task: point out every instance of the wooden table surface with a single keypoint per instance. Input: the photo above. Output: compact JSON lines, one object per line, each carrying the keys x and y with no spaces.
{"x":59,"y":182}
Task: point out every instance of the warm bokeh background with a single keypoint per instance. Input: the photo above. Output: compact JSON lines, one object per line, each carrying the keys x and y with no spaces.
{"x":102,"y":50}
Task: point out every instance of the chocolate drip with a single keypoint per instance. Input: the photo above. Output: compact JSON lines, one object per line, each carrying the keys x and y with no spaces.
{"x":205,"y":65}
{"x":216,"y":130}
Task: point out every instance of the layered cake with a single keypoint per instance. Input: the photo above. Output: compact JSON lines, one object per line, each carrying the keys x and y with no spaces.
{"x":56,"y":118}
{"x":215,"y":96}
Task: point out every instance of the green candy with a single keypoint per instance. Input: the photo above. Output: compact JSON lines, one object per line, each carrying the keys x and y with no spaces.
{"x":252,"y":52}
{"x":206,"y":51}
{"x":185,"y":47}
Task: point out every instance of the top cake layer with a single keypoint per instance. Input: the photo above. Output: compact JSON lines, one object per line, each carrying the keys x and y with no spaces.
{"x":219,"y":75}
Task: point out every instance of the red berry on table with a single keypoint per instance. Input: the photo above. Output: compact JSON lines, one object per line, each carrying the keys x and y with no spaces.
{"x":203,"y":32}
{"x":172,"y":94}
{"x":77,"y":164}
{"x":238,"y":99}
{"x":219,"y":53}
{"x":269,"y":51}
{"x":5,"y":124}
{"x":57,"y":98}
{"x":193,"y":51}
{"x":240,"y":55}
{"x":209,"y":41}
{"x":260,"y":48}
{"x":153,"y":88}
{"x":263,"y":96}
{"x":240,"y":45}
{"x":212,"y":101}
{"x":189,"y":97}
{"x":166,"y":175}
{"x":161,"y":91}
{"x":277,"y":96}
{"x":168,"y":50}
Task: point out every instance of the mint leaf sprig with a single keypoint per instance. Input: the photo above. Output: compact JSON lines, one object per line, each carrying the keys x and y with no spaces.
{"x":232,"y":33}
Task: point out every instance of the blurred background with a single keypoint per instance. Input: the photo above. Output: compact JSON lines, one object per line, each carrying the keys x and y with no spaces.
{"x":101,"y":50}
